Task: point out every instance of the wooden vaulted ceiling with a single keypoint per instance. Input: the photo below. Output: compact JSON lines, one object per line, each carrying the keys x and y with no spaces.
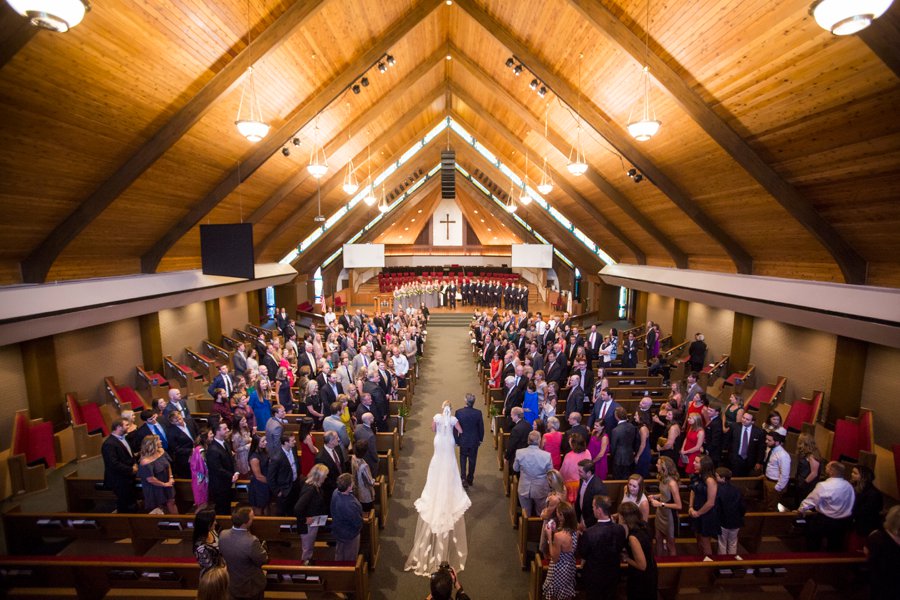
{"x":779,"y":152}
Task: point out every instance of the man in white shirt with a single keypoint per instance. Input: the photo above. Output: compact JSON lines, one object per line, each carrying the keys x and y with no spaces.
{"x":329,"y":317}
{"x":777,"y":470}
{"x":401,"y":365}
{"x":832,"y":500}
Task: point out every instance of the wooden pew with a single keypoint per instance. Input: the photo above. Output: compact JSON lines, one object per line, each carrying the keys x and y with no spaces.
{"x":207,"y":366}
{"x":152,"y":385}
{"x":140,"y":578}
{"x":244,"y":336}
{"x":88,"y":426}
{"x":674,"y":352}
{"x":256,"y":331}
{"x":230,"y":343}
{"x":711,"y":372}
{"x":36,"y":533}
{"x":616,"y":381}
{"x":186,"y":377}
{"x":790,"y":570}
{"x":220,"y":354}
{"x":626,"y":372}
{"x":765,"y":397}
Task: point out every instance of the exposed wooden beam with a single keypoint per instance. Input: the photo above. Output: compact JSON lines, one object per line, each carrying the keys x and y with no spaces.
{"x":563,"y":238}
{"x":570,"y":191}
{"x":614,"y":135}
{"x":338,"y":178}
{"x":339,"y":141}
{"x":273,"y":142}
{"x":418,"y":198}
{"x":15,"y":33}
{"x":569,"y":236}
{"x":559,"y":143}
{"x":37,"y":264}
{"x":852,"y":265}
{"x":882,"y":35}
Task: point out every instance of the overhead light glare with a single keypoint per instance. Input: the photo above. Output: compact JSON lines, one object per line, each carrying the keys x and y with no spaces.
{"x":55,"y":15}
{"x":842,"y":17}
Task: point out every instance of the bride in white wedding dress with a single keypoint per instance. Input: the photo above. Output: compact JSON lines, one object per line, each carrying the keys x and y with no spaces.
{"x":441,"y":528}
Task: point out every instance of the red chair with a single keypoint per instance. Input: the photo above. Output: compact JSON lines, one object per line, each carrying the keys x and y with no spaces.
{"x":87,"y":414}
{"x":854,"y":438}
{"x":804,"y":411}
{"x":767,"y":394}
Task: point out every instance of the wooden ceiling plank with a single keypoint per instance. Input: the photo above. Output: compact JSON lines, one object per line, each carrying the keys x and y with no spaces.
{"x":274,"y":141}
{"x":418,"y":198}
{"x":569,"y":190}
{"x":558,"y":142}
{"x":615,"y":136}
{"x":337,"y":179}
{"x":851,"y":263}
{"x":511,"y":138}
{"x":37,"y":264}
{"x":881,"y":38}
{"x":337,"y":144}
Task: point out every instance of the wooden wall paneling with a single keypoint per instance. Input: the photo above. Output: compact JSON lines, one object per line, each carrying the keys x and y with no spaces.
{"x":679,"y":321}
{"x":36,"y":266}
{"x":848,"y":379}
{"x":468,"y":189}
{"x":151,"y":342}
{"x":485,"y":224}
{"x":45,"y":397}
{"x":338,"y":142}
{"x":741,"y":342}
{"x":273,"y":142}
{"x":742,"y":260}
{"x":851,"y":263}
{"x":286,"y":296}
{"x":337,"y":179}
{"x":214,"y":321}
{"x":606,"y":302}
{"x":255,"y":307}
{"x":510,"y":137}
{"x":640,"y":307}
{"x":559,"y":143}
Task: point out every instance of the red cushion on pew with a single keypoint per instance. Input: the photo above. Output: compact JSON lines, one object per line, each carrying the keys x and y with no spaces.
{"x":22,"y":428}
{"x":92,"y":417}
{"x":129,"y":396}
{"x":40,"y":444}
{"x":100,"y":559}
{"x":763,"y":393}
{"x":157,"y":379}
{"x":707,"y":369}
{"x":732,"y":379}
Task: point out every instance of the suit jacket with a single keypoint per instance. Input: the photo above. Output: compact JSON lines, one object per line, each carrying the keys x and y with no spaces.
{"x":303,"y":359}
{"x":575,"y":401}
{"x":588,"y":378}
{"x":280,"y":475}
{"x":118,"y":464}
{"x":274,"y":429}
{"x":537,"y":363}
{"x":518,"y":438}
{"x":219,"y":382}
{"x":326,"y":394}
{"x":621,"y":443}
{"x":756,"y":448}
{"x":271,"y":364}
{"x":365,"y":433}
{"x":584,"y":508}
{"x":472,"y":423}
{"x":330,"y":483}
{"x":631,"y":351}
{"x":533,"y":464}
{"x":185,"y":412}
{"x":579,"y":429}
{"x":331,"y":423}
{"x":181,"y":447}
{"x":245,"y":555}
{"x":609,"y":418}
{"x":556,"y":372}
{"x":601,"y":545}
{"x":515,"y":396}
{"x":713,"y":441}
{"x":379,"y":403}
{"x":220,"y":466}
{"x":240,"y":363}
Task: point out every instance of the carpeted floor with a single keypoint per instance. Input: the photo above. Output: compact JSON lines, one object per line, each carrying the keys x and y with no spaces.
{"x":492,"y":569}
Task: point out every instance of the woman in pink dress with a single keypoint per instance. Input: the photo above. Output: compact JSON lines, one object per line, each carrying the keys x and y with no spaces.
{"x":199,"y":479}
{"x":552,"y":442}
{"x":569,"y":468}
{"x":598,"y":446}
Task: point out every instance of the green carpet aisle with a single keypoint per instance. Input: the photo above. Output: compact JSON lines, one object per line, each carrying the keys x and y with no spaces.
{"x":492,"y":568}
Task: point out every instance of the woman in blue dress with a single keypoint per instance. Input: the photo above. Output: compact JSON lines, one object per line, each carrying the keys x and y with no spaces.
{"x":260,"y":405}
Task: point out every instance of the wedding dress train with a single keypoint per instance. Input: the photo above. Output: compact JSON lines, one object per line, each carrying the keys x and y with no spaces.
{"x":441,"y":527}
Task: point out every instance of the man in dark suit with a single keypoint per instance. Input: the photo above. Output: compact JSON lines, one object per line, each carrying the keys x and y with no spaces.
{"x":592,"y":344}
{"x":712,"y":440}
{"x":621,"y":445}
{"x":283,"y":473}
{"x":332,"y":457}
{"x":379,"y":400}
{"x":630,"y":352}
{"x":244,"y":557}
{"x":590,"y":486}
{"x":269,"y":362}
{"x":554,"y":370}
{"x":281,"y":318}
{"x":518,"y":437}
{"x":575,"y":428}
{"x":586,"y":377}
{"x":150,"y":426}
{"x":537,"y":359}
{"x":604,"y":409}
{"x":181,"y":444}
{"x":365,"y":432}
{"x":224,"y":381}
{"x":220,"y":470}
{"x":330,"y":389}
{"x":748,"y":446}
{"x":601,"y":546}
{"x":515,"y":395}
{"x":575,"y":399}
{"x":472,"y":423}
{"x":119,"y":468}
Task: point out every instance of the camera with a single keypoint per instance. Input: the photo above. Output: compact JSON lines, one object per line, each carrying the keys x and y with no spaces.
{"x":444,"y":566}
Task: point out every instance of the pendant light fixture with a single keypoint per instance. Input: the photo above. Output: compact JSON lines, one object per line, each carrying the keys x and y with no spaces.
{"x":510,"y":205}
{"x":645,"y":128}
{"x":383,"y":205}
{"x":318,"y":163}
{"x":524,"y":198}
{"x":577,"y":160}
{"x":319,"y":218}
{"x":546,"y":184}
{"x":55,"y":15}
{"x":846,"y":17}
{"x":351,"y":183}
{"x":251,"y":126}
{"x":369,"y":198}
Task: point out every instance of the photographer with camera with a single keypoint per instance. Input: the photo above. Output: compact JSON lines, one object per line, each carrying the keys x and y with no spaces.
{"x":444,"y":582}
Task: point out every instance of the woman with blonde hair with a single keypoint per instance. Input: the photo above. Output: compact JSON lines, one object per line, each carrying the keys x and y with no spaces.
{"x":667,"y":503}
{"x":155,"y":473}
{"x":809,"y":467}
{"x":310,"y":507}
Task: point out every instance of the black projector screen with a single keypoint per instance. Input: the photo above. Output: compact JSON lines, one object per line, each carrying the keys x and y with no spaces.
{"x":227,"y":250}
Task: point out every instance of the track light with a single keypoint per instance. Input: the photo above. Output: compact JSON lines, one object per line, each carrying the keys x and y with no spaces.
{"x":542,"y":91}
{"x":631,"y":172}
{"x":286,"y":151}
{"x":390,"y":60}
{"x":638,"y":178}
{"x":355,"y":88}
{"x":510,"y":62}
{"x":382,"y":67}
{"x":364,"y":81}
{"x":634,"y":175}
{"x":534,"y":84}
{"x":517,"y":70}
{"x":296,"y":141}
